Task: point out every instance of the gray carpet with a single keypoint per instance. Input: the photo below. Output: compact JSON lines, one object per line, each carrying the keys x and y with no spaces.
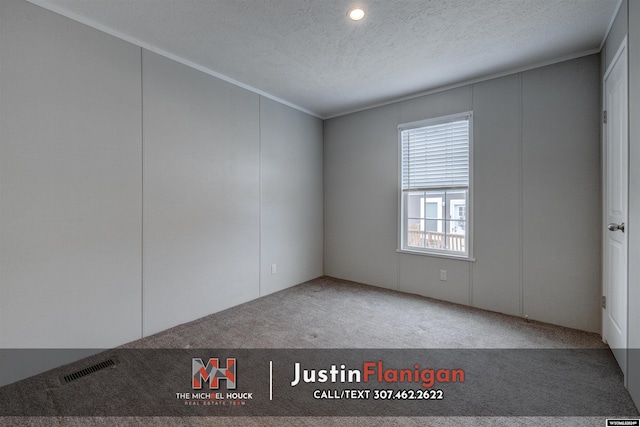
{"x":332,"y":314}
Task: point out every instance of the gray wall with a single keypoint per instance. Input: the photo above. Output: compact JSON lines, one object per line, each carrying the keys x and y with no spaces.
{"x":561,"y":194}
{"x":201,"y":194}
{"x":136,"y":193}
{"x":536,"y":159}
{"x":291,"y":194}
{"x":70,"y":183}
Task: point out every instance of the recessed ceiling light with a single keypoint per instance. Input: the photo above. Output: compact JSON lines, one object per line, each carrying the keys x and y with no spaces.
{"x":356,"y":14}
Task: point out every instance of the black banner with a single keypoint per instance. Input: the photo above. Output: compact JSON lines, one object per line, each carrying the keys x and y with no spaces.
{"x":324,"y":382}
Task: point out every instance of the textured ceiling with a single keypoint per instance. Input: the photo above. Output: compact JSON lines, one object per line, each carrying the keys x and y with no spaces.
{"x":309,"y":54}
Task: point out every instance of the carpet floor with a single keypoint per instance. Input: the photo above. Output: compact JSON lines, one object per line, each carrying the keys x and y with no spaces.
{"x":328,"y":314}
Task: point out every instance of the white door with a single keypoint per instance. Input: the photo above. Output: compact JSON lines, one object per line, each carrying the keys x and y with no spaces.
{"x":616,"y":147}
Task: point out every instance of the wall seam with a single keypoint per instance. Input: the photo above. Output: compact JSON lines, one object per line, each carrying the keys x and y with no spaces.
{"x":473,"y":207}
{"x":399,"y":200}
{"x":141,"y":197}
{"x":1,"y":257}
{"x":259,"y":195}
{"x":521,"y":194}
{"x":324,"y":198}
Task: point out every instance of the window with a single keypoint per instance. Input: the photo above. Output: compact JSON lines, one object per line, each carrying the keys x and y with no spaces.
{"x":435,"y":201}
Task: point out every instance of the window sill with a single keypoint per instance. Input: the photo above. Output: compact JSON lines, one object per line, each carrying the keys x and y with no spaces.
{"x":437,"y":255}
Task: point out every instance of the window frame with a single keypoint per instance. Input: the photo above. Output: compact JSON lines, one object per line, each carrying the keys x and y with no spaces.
{"x":402,"y":222}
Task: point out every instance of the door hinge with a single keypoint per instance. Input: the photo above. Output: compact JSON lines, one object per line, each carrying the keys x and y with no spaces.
{"x":604,"y":116}
{"x":604,"y":302}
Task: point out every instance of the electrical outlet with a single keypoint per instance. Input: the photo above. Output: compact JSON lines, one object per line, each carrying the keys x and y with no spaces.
{"x":443,"y":275}
{"x":274,"y":269}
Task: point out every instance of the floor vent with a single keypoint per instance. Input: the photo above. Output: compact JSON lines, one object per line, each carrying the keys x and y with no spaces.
{"x":90,"y":370}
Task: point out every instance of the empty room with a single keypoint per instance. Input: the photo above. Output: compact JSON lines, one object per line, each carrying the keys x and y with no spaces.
{"x":300,"y":212}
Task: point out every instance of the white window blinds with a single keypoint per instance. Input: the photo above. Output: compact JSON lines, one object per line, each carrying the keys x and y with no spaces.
{"x":436,"y":156}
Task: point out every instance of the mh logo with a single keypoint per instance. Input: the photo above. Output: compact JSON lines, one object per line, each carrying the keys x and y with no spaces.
{"x":212,"y":372}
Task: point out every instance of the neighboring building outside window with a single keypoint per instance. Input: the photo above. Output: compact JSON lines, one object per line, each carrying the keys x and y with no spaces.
{"x":435,"y":185}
